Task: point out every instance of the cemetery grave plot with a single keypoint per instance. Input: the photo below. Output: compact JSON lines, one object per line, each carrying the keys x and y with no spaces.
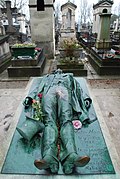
{"x":90,"y":141}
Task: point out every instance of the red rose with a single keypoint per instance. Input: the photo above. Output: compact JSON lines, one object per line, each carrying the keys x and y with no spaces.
{"x":40,"y":95}
{"x":38,"y":49}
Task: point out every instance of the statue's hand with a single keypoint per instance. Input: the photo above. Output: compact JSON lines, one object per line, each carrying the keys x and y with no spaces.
{"x":88,"y":102}
{"x":86,"y":123}
{"x":27,"y":102}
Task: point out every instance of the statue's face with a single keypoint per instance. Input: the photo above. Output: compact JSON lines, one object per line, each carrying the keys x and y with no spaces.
{"x":59,"y":71}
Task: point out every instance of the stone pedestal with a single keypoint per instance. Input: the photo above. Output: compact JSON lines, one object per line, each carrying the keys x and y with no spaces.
{"x":27,"y":67}
{"x":104,"y":66}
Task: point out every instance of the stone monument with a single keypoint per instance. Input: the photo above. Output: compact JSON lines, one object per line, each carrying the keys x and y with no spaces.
{"x":103,"y":6}
{"x":42,"y":25}
{"x":104,"y":59}
{"x":103,"y":37}
{"x":68,"y":20}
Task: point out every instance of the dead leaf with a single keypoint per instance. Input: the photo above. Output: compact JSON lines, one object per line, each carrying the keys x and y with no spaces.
{"x":110,"y":114}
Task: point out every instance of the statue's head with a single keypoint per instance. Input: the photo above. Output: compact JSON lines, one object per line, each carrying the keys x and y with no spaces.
{"x":58,"y":71}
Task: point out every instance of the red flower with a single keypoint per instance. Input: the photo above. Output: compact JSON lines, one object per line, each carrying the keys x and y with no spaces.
{"x":38,"y":49}
{"x":77,"y":124}
{"x":40,"y":95}
{"x":33,"y":101}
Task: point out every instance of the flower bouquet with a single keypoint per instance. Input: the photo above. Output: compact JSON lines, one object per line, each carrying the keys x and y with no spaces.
{"x":33,"y":121}
{"x":71,"y":48}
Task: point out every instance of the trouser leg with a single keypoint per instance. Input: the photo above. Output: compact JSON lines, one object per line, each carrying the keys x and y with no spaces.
{"x":50,"y":134}
{"x":69,"y":157}
{"x":67,"y":130}
{"x":67,"y":140}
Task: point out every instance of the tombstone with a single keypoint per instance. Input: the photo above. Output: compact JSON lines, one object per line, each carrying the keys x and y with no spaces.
{"x":103,"y":37}
{"x":68,"y":20}
{"x":98,"y":9}
{"x":104,"y":59}
{"x":101,"y":23}
{"x":42,"y":25}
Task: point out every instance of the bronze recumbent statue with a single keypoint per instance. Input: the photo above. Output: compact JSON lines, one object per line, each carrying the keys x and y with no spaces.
{"x":61,"y":100}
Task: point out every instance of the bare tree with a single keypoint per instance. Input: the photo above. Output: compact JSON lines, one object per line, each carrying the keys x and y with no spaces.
{"x":19,"y":3}
{"x":15,"y":3}
{"x":57,"y":14}
{"x":119,"y":10}
{"x":2,"y":3}
{"x":84,"y":11}
{"x":90,"y":13}
{"x":116,"y":10}
{"x":73,"y":1}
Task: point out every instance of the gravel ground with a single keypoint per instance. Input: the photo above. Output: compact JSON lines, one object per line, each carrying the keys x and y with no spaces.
{"x":97,"y":83}
{"x":104,"y":84}
{"x":13,"y":84}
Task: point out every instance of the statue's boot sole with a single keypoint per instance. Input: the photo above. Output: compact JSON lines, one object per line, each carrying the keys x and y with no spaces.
{"x":41,"y":164}
{"x":82,"y":161}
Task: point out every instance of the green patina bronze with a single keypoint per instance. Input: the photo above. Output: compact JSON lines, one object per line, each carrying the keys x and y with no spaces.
{"x":62,"y":101}
{"x":103,"y":39}
{"x":62,"y":104}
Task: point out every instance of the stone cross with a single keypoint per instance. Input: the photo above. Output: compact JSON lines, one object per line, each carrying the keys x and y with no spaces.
{"x":40,"y":5}
{"x":10,"y":29}
{"x":9,"y":13}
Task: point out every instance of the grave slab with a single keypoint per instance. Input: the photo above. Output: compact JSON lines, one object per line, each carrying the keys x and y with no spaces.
{"x":89,"y":141}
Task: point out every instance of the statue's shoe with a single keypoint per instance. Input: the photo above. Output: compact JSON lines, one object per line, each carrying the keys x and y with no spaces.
{"x":73,"y":160}
{"x":82,"y":161}
{"x":47,"y":162}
